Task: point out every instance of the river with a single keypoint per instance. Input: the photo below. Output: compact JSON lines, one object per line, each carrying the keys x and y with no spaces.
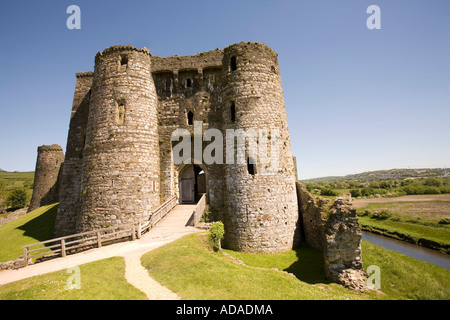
{"x":409,"y":249}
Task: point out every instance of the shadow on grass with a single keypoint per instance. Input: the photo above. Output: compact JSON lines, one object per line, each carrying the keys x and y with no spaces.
{"x":309,"y":267}
{"x":41,"y":228}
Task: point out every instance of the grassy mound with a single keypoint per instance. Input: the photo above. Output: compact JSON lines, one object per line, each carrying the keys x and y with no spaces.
{"x":192,"y":270}
{"x":35,"y":226}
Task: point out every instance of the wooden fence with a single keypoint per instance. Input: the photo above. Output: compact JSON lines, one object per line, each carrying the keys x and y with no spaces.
{"x":96,"y":238}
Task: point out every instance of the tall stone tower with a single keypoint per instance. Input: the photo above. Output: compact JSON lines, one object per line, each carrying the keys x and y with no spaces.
{"x":261,"y":200}
{"x":70,"y":179}
{"x":45,"y":189}
{"x":120,"y":169}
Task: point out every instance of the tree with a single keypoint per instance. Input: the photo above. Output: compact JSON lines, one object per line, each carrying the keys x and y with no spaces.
{"x":355,"y":193}
{"x":433,"y":182}
{"x":17,"y":198}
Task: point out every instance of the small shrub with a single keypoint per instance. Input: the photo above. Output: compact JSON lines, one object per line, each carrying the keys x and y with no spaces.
{"x":382,"y":215}
{"x":216,"y":234}
{"x":328,"y":192}
{"x":444,"y":221}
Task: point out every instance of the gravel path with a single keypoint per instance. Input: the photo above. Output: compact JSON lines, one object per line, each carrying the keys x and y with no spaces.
{"x":171,"y":228}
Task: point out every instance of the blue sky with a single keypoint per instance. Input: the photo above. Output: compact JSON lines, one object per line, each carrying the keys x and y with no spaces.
{"x":356,"y":99}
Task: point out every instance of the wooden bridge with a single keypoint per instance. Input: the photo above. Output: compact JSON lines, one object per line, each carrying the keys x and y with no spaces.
{"x":170,"y":217}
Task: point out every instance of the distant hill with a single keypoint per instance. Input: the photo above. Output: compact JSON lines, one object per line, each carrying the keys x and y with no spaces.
{"x":380,"y":175}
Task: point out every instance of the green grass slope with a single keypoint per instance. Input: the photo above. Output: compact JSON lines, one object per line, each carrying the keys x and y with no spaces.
{"x":35,"y":226}
{"x":99,"y":280}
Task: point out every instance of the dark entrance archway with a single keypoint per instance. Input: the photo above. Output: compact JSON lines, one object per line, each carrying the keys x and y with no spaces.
{"x":192,"y":184}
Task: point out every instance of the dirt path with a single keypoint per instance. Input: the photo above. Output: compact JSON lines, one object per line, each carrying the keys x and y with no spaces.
{"x":361,"y":203}
{"x":171,"y":228}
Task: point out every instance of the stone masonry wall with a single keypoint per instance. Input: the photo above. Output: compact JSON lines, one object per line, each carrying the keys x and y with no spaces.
{"x":333,"y":228}
{"x":121,"y":171}
{"x":70,"y":179}
{"x":260,"y":197}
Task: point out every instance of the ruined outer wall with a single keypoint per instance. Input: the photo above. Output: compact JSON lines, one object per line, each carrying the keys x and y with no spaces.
{"x":311,"y":211}
{"x":120,"y":175}
{"x":45,"y":189}
{"x":261,"y":208}
{"x":333,"y":228}
{"x":70,"y":179}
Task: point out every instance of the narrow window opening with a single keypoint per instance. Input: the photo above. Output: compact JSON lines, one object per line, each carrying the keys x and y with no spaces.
{"x":190,"y":117}
{"x":233,"y":64}
{"x":188,"y":83}
{"x":233,"y":112}
{"x":123,"y":60}
{"x":251,"y":167}
{"x":120,"y":114}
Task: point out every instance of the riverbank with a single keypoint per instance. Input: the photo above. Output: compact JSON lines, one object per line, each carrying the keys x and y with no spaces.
{"x":420,"y":220}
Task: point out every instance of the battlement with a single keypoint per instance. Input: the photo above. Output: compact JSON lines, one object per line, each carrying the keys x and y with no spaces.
{"x":87,"y":74}
{"x":198,"y":61}
{"x":46,"y":148}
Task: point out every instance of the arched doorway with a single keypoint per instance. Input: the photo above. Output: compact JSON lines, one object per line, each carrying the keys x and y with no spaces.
{"x":192,"y":184}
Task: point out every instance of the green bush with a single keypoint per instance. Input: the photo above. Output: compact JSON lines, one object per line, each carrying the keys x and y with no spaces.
{"x":382,"y":215}
{"x":216,"y":234}
{"x":329,"y":192}
{"x":355,"y":193}
{"x":17,"y":198}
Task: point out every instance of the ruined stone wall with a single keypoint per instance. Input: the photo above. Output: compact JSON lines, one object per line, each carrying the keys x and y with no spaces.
{"x":333,"y":228}
{"x":70,"y":179}
{"x":120,"y":175}
{"x":45,"y":189}
{"x":311,"y":217}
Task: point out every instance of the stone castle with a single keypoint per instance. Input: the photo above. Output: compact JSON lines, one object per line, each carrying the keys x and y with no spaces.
{"x":119,"y":162}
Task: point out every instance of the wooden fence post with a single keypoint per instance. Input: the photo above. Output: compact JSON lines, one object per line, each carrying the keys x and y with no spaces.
{"x":139,"y":231}
{"x":133,"y":232}
{"x":63,"y":248}
{"x":25,"y":256}
{"x":99,"y":240}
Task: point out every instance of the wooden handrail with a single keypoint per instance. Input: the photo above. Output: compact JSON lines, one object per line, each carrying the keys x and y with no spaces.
{"x":95,"y":237}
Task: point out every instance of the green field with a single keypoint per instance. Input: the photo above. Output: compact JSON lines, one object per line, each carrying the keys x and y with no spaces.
{"x":13,"y":180}
{"x":416,"y":219}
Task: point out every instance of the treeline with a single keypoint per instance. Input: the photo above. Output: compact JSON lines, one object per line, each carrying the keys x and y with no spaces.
{"x":386,"y":188}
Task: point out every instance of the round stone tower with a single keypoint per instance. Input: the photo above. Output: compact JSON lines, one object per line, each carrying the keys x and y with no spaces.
{"x":120,"y":181}
{"x":260,"y":196}
{"x":45,"y":189}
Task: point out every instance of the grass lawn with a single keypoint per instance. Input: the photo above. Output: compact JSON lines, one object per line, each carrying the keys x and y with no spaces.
{"x":403,"y":277}
{"x":192,"y":270}
{"x":35,"y":226}
{"x":189,"y":268}
{"x":99,"y":280}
